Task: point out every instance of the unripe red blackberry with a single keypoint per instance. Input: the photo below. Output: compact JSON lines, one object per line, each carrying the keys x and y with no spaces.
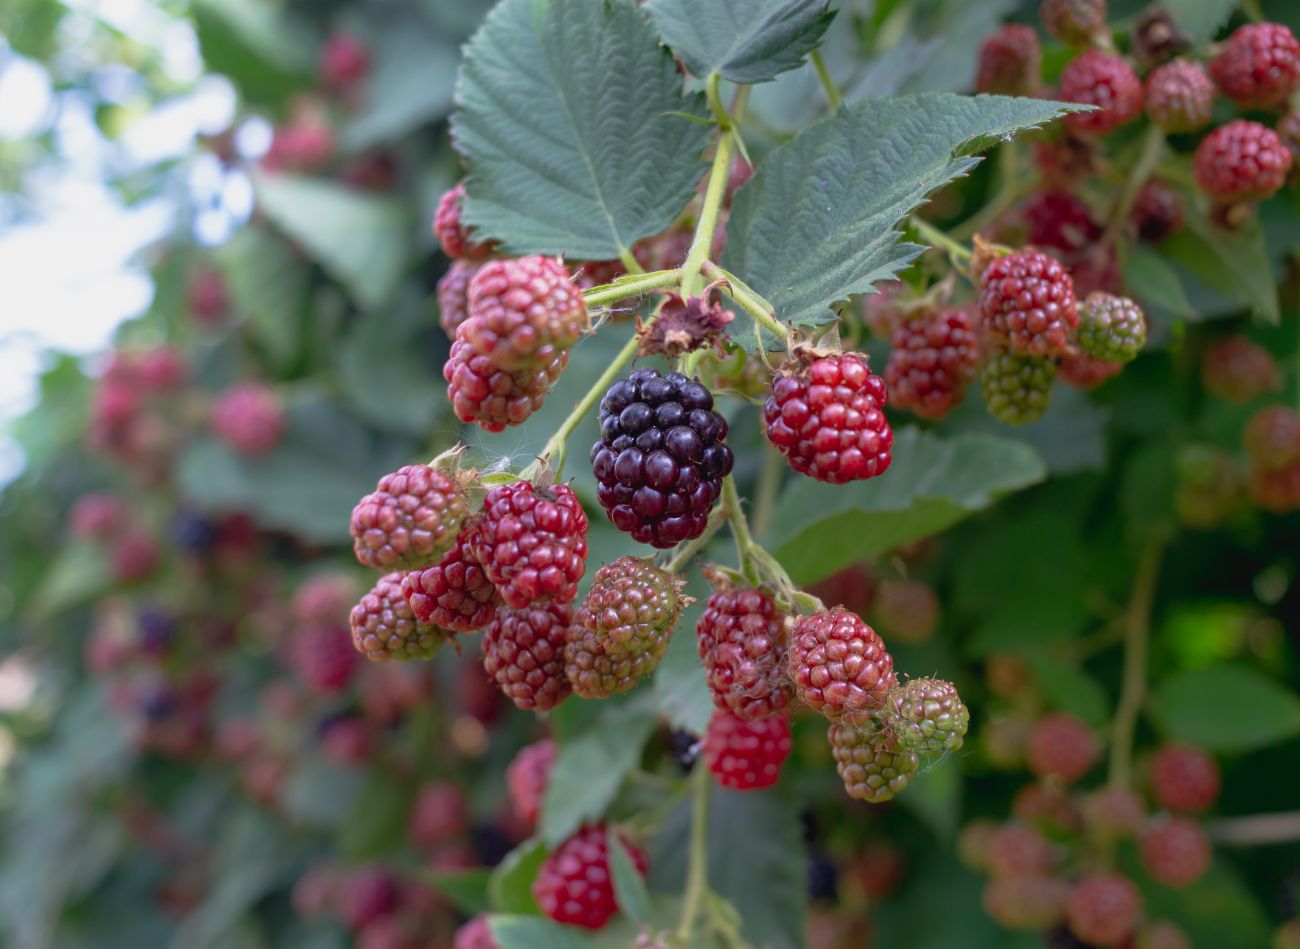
{"x":742,"y":642}
{"x":1060,"y":221}
{"x":826,"y":415}
{"x":1180,"y":96}
{"x":1027,"y":302}
{"x":1157,"y":212}
{"x":456,"y":593}
{"x":661,"y":457}
{"x":1064,"y":162}
{"x":323,"y":658}
{"x":623,"y":627}
{"x":1156,"y":38}
{"x":366,"y":894}
{"x":476,"y":934}
{"x":451,"y":231}
{"x":439,"y":813}
{"x":1048,"y":806}
{"x":1210,"y":488}
{"x":1288,"y":130}
{"x":523,"y":651}
{"x":1009,"y":62}
{"x":1074,"y":21}
{"x":249,"y":418}
{"x":453,"y":295}
{"x":1258,"y":65}
{"x":527,"y":777}
{"x":1103,"y":80}
{"x":532,"y":542}
{"x":1014,"y":850}
{"x":344,"y":62}
{"x":853,"y":587}
{"x":1185,"y":779}
{"x":493,"y":398}
{"x":1272,"y":438}
{"x":869,"y":762}
{"x":383,"y":626}
{"x":839,"y":665}
{"x":1061,"y":746}
{"x":1162,"y":934}
{"x":412,"y":518}
{"x":1276,"y":491}
{"x":1029,"y":903}
{"x":97,"y":516}
{"x":1237,"y":370}
{"x":523,"y":311}
{"x":1240,"y":162}
{"x":1175,"y":852}
{"x":933,"y":358}
{"x":207,"y":297}
{"x":1079,"y":369}
{"x":1114,"y":813}
{"x":927,"y":717}
{"x":1016,"y":389}
{"x":574,"y":884}
{"x":1103,"y":909}
{"x":133,"y":556}
{"x":746,"y":755}
{"x":905,"y":610}
{"x":1111,"y":328}
{"x":972,"y":844}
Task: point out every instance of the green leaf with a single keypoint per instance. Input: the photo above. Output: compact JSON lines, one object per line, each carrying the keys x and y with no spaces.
{"x":1070,"y":436}
{"x":1226,"y":708}
{"x":510,"y":888}
{"x":360,"y":239}
{"x":1219,"y":908}
{"x":389,"y":372}
{"x":629,"y":885}
{"x":531,"y":932}
{"x":590,"y":766}
{"x":681,"y":692}
{"x":934,"y":796}
{"x":1200,"y":19}
{"x":409,"y":86}
{"x":377,"y":822}
{"x":1232,"y":265}
{"x":562,"y":118}
{"x":322,"y":793}
{"x":263,"y":49}
{"x":931,"y":484}
{"x":746,"y":41}
{"x":757,"y":861}
{"x":268,"y":282}
{"x":467,"y":890}
{"x":1070,"y":688}
{"x":1156,"y":283}
{"x":818,"y":221}
{"x":79,"y":574}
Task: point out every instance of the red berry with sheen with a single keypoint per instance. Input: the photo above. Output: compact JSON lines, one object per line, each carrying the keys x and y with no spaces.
{"x":1242,"y":161}
{"x":1027,"y":302}
{"x":1180,"y":96}
{"x":839,"y":665}
{"x":933,"y":359}
{"x":456,"y":594}
{"x":1103,"y":909}
{"x":827,"y":417}
{"x":1176,"y":852}
{"x":249,"y":418}
{"x":746,"y":755}
{"x":1185,"y":779}
{"x":1103,"y":80}
{"x":1061,"y":746}
{"x":532,"y":543}
{"x":574,"y":884}
{"x":493,"y":398}
{"x":412,"y":518}
{"x":1258,"y":66}
{"x":523,"y":652}
{"x":742,"y":641}
{"x":523,"y":311}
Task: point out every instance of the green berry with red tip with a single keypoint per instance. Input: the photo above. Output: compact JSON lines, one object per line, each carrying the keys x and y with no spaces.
{"x":927,"y":717}
{"x":1111,"y":328}
{"x":1017,"y":389}
{"x":869,"y":761}
{"x":383,"y":626}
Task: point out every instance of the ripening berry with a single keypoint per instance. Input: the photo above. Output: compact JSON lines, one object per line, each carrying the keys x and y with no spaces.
{"x":96,"y":516}
{"x":527,"y":777}
{"x":1009,"y":62}
{"x":1074,"y":21}
{"x":1157,"y":212}
{"x":742,"y":642}
{"x":1185,"y":779}
{"x":1059,"y":221}
{"x":383,"y":626}
{"x":1017,"y":850}
{"x":574,"y":884}
{"x":746,"y":755}
{"x":927,"y":716}
{"x":1103,"y":909}
{"x":1016,"y":389}
{"x":826,"y":415}
{"x":249,"y":417}
{"x":1079,"y":369}
{"x":933,"y":358}
{"x":1237,"y":370}
{"x":1103,"y":80}
{"x":207,"y":297}
{"x":455,"y":594}
{"x":480,"y":391}
{"x":453,"y":295}
{"x":476,"y":934}
{"x":1176,"y":852}
{"x":439,"y":813}
{"x":451,"y":231}
{"x":1061,"y":745}
{"x":1242,"y":161}
{"x":1027,"y":302}
{"x":532,"y":542}
{"x":1180,"y":96}
{"x":905,"y":610}
{"x":1258,"y":66}
{"x":1114,"y":813}
{"x":366,"y":894}
{"x":344,"y":62}
{"x":839,"y":665}
{"x":412,"y":518}
{"x":1111,"y":328}
{"x":323,"y":658}
{"x":1272,"y":438}
{"x":522,"y":312}
{"x":1030,"y":903}
{"x":523,"y":652}
{"x":1155,"y":37}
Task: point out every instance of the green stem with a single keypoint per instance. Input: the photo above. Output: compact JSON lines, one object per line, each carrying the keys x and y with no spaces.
{"x":939,"y":240}
{"x":1152,"y":148}
{"x":697,"y":860}
{"x":631,"y":288}
{"x":833,"y":97}
{"x":1253,"y":10}
{"x":630,"y":263}
{"x":1137,"y":634}
{"x":685,"y":552}
{"x":753,"y":304}
{"x":739,"y":523}
{"x":715,"y":191}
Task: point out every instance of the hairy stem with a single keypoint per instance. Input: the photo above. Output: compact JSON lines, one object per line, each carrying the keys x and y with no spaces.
{"x":1257,"y":829}
{"x":753,"y":304}
{"x":1153,"y":147}
{"x":631,"y":288}
{"x":1137,"y":634}
{"x":714,"y":192}
{"x":630,"y":263}
{"x":833,"y":97}
{"x":697,"y":861}
{"x":937,"y":239}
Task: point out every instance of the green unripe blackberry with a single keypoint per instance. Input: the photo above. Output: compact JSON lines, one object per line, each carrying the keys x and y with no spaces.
{"x":1017,"y":389}
{"x":623,"y":627}
{"x":869,"y":761}
{"x":1111,"y":328}
{"x":927,"y":717}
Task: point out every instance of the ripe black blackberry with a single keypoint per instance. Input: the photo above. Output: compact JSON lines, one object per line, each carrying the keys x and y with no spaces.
{"x":661,"y":457}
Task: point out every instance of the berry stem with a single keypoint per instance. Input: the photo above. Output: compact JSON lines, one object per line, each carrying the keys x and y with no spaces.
{"x":1137,"y":632}
{"x":753,"y":304}
{"x":1152,"y":148}
{"x":631,"y":288}
{"x":716,"y":189}
{"x":833,"y":97}
{"x":1257,"y":829}
{"x":755,"y":562}
{"x":697,"y":865}
{"x":1253,"y":10}
{"x":937,"y":239}
{"x":630,"y":263}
